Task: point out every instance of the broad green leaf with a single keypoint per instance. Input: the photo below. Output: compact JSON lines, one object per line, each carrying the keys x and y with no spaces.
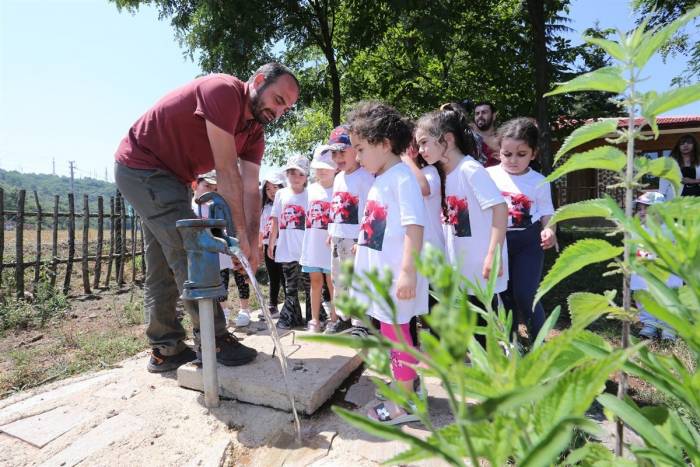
{"x":598,"y":455}
{"x":603,"y":207}
{"x":547,"y":326}
{"x":655,"y":39}
{"x":614,"y":49}
{"x":655,"y":105}
{"x":510,"y":401}
{"x":603,"y":157}
{"x":639,"y":423}
{"x":663,"y":167}
{"x":586,"y":307}
{"x":572,"y":259}
{"x":585,"y":134}
{"x":546,"y":451}
{"x":375,"y":428}
{"x":607,"y":79}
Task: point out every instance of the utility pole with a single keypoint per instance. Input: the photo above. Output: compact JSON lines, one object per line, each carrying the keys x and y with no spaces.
{"x":106,"y":178}
{"x":72,"y":168}
{"x":53,"y":165}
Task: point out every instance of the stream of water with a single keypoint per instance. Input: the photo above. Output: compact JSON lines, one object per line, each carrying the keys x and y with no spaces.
{"x":275,"y":338}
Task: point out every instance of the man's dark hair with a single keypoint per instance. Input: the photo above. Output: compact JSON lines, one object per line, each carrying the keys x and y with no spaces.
{"x":490,"y":104}
{"x":272,"y":71}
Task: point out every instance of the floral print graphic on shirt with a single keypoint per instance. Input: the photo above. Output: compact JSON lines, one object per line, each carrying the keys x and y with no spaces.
{"x":519,"y":206}
{"x":344,"y":207}
{"x":458,"y":216}
{"x":319,"y":215}
{"x":373,"y":225}
{"x":293,"y":217}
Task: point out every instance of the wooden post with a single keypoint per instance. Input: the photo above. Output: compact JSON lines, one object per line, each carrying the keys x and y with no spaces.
{"x":100,"y":237}
{"x":37,"y":267}
{"x":117,"y":237}
{"x":86,"y":244}
{"x":2,"y":233}
{"x":19,"y":245}
{"x":111,"y":241}
{"x":133,"y":246}
{"x":54,"y":243}
{"x":71,"y":243}
{"x":122,"y":250}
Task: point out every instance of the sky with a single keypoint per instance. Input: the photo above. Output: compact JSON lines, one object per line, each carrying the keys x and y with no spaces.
{"x":75,"y":74}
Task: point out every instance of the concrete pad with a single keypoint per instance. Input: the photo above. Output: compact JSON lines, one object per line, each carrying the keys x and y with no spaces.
{"x":315,"y":372}
{"x":41,"y":429}
{"x":119,"y":391}
{"x":28,"y":406}
{"x":110,"y":431}
{"x":212,"y":456}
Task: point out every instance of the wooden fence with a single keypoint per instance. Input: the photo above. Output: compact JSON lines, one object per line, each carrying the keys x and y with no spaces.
{"x":120,"y":250}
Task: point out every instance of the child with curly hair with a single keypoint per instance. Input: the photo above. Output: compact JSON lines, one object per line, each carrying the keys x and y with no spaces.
{"x":391,"y":234}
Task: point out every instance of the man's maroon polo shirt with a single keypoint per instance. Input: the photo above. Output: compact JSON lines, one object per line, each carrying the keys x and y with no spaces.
{"x":172,"y":135}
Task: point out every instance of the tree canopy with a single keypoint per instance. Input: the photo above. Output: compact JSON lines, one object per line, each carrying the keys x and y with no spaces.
{"x":413,"y":54}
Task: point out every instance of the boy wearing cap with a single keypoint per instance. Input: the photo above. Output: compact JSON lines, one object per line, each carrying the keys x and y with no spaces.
{"x":350,"y":189}
{"x":315,"y":252}
{"x":650,"y":324}
{"x":286,"y":239}
{"x":204,"y":184}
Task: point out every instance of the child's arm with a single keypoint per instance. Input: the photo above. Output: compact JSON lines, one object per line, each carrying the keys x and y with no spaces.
{"x":499,"y":224}
{"x":420,"y":176}
{"x":548,"y":234}
{"x":406,"y":284}
{"x":273,"y":239}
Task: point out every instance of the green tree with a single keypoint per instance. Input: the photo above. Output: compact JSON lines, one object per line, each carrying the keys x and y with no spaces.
{"x":663,"y":12}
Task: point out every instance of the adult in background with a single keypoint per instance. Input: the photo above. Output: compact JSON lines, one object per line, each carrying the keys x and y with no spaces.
{"x":488,"y":148}
{"x":686,"y":153}
{"x":213,"y":122}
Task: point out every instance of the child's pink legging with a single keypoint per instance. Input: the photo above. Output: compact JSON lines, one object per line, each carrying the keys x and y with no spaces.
{"x":400,"y":361}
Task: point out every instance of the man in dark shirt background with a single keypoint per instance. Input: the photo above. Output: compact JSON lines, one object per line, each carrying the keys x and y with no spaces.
{"x":214,"y":122}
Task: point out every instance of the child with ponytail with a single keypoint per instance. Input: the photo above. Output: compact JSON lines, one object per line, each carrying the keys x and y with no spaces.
{"x":475,"y":214}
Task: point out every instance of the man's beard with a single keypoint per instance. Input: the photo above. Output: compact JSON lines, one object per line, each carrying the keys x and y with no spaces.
{"x":261,"y":114}
{"x":484,"y":125}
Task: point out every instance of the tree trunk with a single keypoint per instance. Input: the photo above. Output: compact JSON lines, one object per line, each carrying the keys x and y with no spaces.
{"x":536,"y":12}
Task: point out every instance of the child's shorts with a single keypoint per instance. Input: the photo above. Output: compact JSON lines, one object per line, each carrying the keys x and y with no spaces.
{"x":315,"y":269}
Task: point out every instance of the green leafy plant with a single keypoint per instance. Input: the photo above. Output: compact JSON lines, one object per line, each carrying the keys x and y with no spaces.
{"x":671,"y":234}
{"x":517,"y":409}
{"x":507,"y":406}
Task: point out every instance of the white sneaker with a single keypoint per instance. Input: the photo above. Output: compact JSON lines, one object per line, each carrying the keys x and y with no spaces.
{"x":243,"y":318}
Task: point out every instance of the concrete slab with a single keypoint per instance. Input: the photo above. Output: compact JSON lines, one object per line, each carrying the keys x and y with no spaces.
{"x":41,"y":429}
{"x":315,"y":371}
{"x":39,"y":402}
{"x":108,"y":432}
{"x":212,"y":456}
{"x":360,"y":393}
{"x":119,"y":390}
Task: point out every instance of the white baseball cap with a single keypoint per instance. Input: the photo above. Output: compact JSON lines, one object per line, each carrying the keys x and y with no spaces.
{"x":209,"y":177}
{"x":301,"y":163}
{"x":323,"y":158}
{"x":276,"y":178}
{"x":651,"y":197}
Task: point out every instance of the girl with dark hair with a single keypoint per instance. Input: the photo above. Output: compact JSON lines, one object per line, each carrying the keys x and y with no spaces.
{"x":271,"y":185}
{"x":475,"y":212}
{"x":686,"y":153}
{"x":530,"y":207}
{"x":391,"y":234}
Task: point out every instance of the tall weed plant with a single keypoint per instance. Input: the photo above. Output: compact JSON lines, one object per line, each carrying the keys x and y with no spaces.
{"x":527,"y":409}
